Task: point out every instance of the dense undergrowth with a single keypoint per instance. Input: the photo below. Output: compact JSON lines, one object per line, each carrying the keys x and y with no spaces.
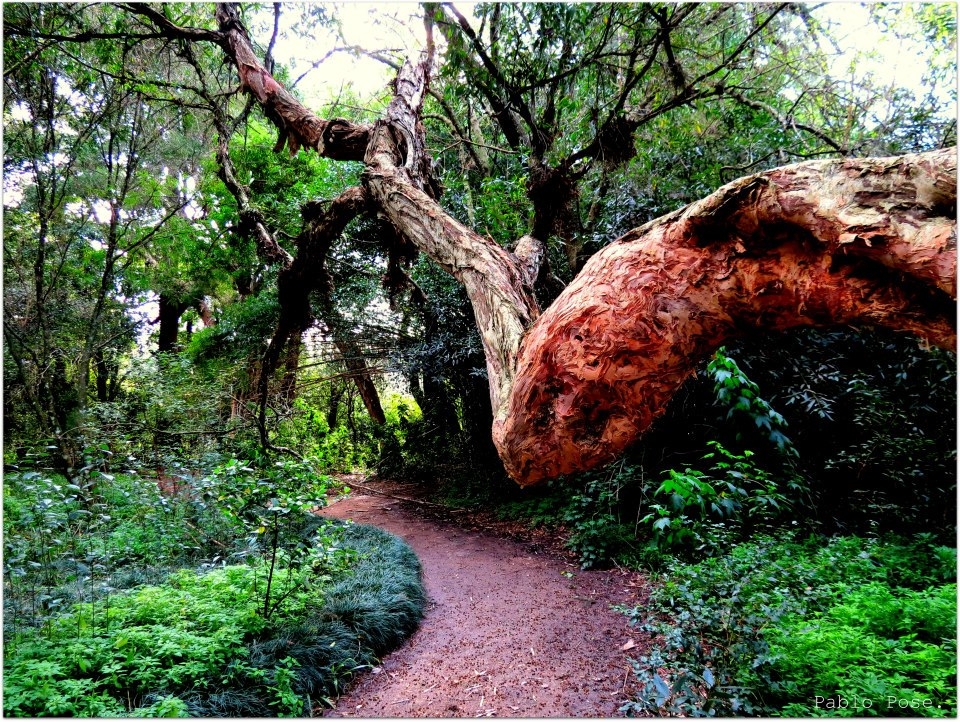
{"x":224,"y":598}
{"x":803,"y":568}
{"x":810,"y":627}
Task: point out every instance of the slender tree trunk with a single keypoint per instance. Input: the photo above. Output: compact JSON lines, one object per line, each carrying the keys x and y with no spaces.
{"x":205,"y":313}
{"x":102,"y":375}
{"x":337,"y":390}
{"x":352,"y":356}
{"x":92,"y":339}
{"x":439,"y":410}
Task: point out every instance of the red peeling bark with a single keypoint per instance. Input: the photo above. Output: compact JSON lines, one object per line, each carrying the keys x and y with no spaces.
{"x":826,"y":243}
{"x":299,"y":127}
{"x":868,"y":241}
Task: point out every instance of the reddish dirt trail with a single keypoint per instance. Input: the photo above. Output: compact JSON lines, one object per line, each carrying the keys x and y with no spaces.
{"x":511,"y":630}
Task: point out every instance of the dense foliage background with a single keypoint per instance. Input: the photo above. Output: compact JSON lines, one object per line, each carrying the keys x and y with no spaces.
{"x":808,"y":476}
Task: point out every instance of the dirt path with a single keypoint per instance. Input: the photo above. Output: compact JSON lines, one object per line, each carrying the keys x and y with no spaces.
{"x":511,"y":630}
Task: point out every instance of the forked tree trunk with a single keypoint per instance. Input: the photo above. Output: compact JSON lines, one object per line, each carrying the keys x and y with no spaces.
{"x":868,"y":241}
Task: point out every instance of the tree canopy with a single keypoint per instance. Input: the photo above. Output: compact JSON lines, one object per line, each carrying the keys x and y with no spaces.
{"x":524,"y":231}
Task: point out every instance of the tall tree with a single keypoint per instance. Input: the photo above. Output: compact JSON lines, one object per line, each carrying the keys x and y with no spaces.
{"x":83,"y":139}
{"x":819,"y":243}
{"x":822,"y":242}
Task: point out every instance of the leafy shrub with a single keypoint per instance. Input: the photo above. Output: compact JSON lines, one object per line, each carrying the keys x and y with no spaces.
{"x":738,"y":634}
{"x":198,"y":643}
{"x":75,"y":540}
{"x":272,"y":504}
{"x":696,"y":509}
{"x":876,"y":651}
{"x":741,"y":396}
{"x":592,"y":518}
{"x":873,"y":417}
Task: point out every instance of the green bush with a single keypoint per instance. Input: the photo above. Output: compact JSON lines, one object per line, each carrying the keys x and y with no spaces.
{"x":592,"y":516}
{"x":770,"y":625}
{"x":701,"y":510}
{"x":873,"y":415}
{"x":199,"y":644}
{"x":74,"y":540}
{"x":875,"y":652}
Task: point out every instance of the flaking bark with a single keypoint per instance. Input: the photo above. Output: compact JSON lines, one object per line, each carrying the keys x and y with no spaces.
{"x":868,"y":241}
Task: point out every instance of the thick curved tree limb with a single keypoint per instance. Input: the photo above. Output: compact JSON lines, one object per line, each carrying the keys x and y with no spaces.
{"x":868,"y":241}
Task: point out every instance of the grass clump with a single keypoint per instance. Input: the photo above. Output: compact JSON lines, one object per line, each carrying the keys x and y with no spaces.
{"x":197,"y":645}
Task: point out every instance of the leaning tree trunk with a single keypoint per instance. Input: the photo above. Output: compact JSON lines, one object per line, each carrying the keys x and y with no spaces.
{"x":867,"y":241}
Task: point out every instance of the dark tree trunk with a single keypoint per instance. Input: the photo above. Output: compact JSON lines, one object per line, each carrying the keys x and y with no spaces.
{"x":106,"y":377}
{"x":476,"y":413}
{"x":170,"y":312}
{"x":359,"y":372}
{"x":288,"y":384}
{"x":337,"y":390}
{"x":416,"y":390}
{"x":438,"y":409}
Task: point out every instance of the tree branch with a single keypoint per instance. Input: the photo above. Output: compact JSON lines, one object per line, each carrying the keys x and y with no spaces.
{"x":169,"y":29}
{"x":869,"y":241}
{"x":299,"y":127}
{"x":787,"y":122}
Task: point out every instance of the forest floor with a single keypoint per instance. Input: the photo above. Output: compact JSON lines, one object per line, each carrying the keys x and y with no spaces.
{"x":513,"y":628}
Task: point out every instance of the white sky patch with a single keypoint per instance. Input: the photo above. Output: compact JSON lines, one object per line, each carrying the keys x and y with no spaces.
{"x":868,"y":51}
{"x":15,"y":183}
{"x":75,"y":208}
{"x":101,"y":210}
{"x":142,"y":314}
{"x":58,"y":159}
{"x":193,"y":211}
{"x":394,"y":28}
{"x":21,"y":112}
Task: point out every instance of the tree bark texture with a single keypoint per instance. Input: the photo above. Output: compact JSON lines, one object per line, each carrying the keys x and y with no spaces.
{"x":866,"y":241}
{"x":499,"y":283}
{"x":298,"y":126}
